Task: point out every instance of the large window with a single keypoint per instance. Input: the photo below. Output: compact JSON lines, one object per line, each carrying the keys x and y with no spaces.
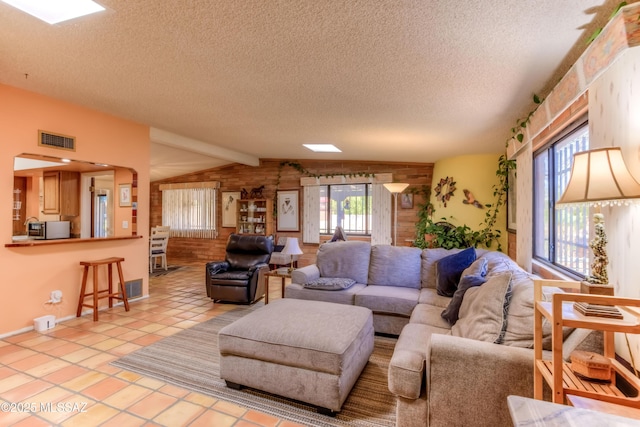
{"x":561,"y":233}
{"x":348,"y":206}
{"x":190,"y":212}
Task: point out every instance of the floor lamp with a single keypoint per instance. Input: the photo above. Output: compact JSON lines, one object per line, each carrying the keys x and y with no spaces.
{"x":599,"y":177}
{"x":395,"y":188}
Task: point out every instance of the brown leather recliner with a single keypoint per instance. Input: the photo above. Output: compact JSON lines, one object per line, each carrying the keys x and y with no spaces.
{"x":236,"y":279}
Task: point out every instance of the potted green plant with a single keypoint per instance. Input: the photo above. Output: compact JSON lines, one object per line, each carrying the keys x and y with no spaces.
{"x":442,"y":234}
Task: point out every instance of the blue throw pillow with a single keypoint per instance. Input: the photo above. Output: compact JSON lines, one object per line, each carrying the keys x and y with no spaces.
{"x":450,"y":268}
{"x":450,"y":314}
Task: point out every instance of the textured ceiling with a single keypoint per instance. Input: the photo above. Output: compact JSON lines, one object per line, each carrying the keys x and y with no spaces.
{"x":410,"y":81}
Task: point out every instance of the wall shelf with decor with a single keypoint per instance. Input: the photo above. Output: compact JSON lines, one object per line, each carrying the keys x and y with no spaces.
{"x":558,"y":374}
{"x":254,"y":216}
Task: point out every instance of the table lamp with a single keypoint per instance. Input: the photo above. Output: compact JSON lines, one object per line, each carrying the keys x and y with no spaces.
{"x":395,"y":188}
{"x":599,"y":177}
{"x":291,"y":248}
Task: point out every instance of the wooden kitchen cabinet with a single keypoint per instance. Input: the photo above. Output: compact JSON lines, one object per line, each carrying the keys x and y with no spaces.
{"x":61,"y":193}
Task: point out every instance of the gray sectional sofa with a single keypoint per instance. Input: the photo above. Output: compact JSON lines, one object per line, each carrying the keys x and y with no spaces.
{"x":441,"y":374}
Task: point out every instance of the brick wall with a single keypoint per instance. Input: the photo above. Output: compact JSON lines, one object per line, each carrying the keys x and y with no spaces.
{"x":235,"y":177}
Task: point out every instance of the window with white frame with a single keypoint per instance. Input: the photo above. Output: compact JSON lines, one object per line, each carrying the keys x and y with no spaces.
{"x":347,"y":206}
{"x":190,"y":209}
{"x":561,"y":233}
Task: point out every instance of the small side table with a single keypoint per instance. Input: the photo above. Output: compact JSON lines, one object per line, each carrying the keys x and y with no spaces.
{"x":283,"y":273}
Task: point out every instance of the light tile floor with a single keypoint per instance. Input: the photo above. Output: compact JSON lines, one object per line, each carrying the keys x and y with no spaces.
{"x":63,"y":376}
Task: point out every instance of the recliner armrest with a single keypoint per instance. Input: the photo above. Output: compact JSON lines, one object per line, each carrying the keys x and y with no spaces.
{"x":215,"y":267}
{"x":258,"y":266}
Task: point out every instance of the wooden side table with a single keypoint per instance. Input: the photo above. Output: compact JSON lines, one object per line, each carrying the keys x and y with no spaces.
{"x":283,"y":273}
{"x":557,"y":373}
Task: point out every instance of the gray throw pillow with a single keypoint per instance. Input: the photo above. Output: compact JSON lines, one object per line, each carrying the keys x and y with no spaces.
{"x":479,"y":267}
{"x":482,"y":312}
{"x":450,"y":268}
{"x":450,"y":314}
{"x":330,"y":283}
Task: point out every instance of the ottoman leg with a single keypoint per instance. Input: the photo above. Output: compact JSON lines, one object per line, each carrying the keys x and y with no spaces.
{"x":326,"y":411}
{"x":233,"y":385}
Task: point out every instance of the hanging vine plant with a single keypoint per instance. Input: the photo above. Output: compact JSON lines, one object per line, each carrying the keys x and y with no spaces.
{"x":517,"y":132}
{"x":303,"y":171}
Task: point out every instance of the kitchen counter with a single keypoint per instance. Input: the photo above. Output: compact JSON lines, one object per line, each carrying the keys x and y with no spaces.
{"x":33,"y":242}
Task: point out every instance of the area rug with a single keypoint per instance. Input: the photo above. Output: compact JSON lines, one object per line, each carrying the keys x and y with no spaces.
{"x":159,"y":271}
{"x":190,"y":359}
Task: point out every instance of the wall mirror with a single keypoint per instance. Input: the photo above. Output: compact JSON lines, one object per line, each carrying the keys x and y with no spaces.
{"x":84,"y":193}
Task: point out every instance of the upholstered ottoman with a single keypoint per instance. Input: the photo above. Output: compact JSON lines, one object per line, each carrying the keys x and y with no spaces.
{"x":309,"y":351}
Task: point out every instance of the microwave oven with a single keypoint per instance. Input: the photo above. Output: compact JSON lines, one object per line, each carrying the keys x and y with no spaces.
{"x":49,"y":230}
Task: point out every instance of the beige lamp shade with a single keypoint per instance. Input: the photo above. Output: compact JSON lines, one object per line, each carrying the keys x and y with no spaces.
{"x":600,"y":177}
{"x":292,"y":247}
{"x":395,"y":187}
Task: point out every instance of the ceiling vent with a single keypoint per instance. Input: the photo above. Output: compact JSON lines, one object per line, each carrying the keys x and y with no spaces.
{"x":53,"y":140}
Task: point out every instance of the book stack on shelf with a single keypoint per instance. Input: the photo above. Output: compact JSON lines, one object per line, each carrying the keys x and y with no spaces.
{"x":598,"y":310}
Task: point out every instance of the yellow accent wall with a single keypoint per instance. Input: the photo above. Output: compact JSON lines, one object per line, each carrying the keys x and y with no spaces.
{"x":476,"y":173}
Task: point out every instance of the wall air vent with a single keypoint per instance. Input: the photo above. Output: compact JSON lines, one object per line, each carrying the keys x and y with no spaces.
{"x":53,"y":140}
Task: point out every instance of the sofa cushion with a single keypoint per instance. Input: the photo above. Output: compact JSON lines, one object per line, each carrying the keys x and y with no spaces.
{"x":450,"y":313}
{"x":388,"y":299}
{"x":429,"y":259}
{"x":344,"y":259}
{"x":482,"y":313}
{"x":450,"y":268}
{"x":330,"y":283}
{"x":343,"y":296}
{"x":426,"y":314}
{"x":431,"y":297}
{"x":395,"y":266}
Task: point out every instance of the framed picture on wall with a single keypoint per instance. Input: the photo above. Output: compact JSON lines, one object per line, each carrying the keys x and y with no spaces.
{"x":288,"y":210}
{"x":511,"y":201}
{"x":125,"y":195}
{"x":229,"y":201}
{"x":406,"y":200}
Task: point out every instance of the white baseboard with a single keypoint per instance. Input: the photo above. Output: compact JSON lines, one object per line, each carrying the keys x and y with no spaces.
{"x":69,"y":317}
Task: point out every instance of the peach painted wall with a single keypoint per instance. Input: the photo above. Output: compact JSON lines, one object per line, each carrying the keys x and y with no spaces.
{"x":29,"y":274}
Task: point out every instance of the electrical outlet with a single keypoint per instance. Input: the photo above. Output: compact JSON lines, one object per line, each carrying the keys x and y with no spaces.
{"x":56,"y":297}
{"x":125,"y":224}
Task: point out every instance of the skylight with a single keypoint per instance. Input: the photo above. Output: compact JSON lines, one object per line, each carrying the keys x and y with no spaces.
{"x":323,"y":148}
{"x":55,"y":11}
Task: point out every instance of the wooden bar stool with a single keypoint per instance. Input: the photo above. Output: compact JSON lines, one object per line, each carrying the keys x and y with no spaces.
{"x":96,"y":291}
